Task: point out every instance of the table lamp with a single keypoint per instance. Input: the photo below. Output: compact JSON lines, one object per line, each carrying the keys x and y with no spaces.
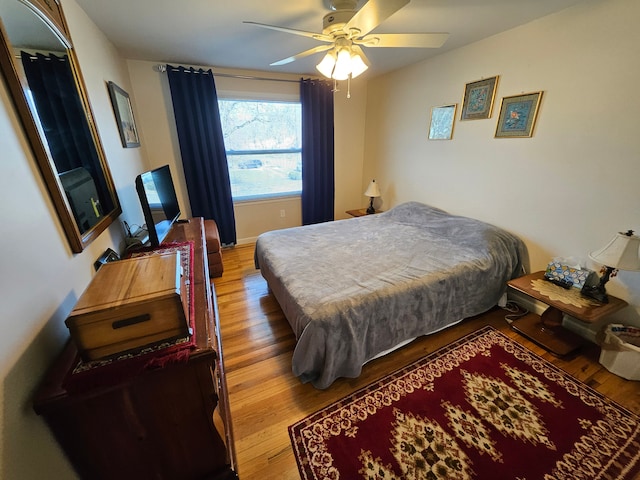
{"x":372,"y":192}
{"x":621,"y":253}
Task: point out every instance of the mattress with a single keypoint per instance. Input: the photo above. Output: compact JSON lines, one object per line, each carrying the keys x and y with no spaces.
{"x":351,"y":289}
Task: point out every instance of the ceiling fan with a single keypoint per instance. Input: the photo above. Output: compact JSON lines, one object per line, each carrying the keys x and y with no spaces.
{"x":346,"y":29}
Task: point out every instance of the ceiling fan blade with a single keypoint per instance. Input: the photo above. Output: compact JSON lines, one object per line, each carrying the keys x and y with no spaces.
{"x":373,"y":13}
{"x":410,"y":40}
{"x":316,"y":36}
{"x":306,"y":53}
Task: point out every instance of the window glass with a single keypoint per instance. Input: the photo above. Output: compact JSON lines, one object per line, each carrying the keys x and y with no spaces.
{"x":263,"y":143}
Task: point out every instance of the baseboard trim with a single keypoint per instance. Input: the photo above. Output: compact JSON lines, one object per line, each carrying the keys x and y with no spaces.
{"x":246,"y":241}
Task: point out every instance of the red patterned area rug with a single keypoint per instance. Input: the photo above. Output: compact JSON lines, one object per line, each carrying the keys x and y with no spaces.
{"x":483,"y":407}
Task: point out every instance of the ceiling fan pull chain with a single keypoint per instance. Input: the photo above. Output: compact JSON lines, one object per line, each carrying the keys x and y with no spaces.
{"x":349,"y":86}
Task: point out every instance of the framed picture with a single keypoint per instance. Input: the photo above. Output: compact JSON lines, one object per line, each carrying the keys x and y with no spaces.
{"x":442,"y":118}
{"x":478,"y":98}
{"x":124,"y":116}
{"x":518,"y":115}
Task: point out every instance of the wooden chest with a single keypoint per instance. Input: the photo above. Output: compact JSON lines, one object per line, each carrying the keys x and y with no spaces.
{"x":130,"y":304}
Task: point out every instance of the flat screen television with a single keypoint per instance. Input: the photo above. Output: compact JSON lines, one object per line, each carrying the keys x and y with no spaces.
{"x":159,"y":202}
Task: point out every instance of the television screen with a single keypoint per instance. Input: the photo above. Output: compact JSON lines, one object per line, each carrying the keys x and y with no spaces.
{"x":159,"y":202}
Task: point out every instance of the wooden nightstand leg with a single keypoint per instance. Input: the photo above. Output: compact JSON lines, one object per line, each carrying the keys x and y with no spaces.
{"x":551,"y":317}
{"x":547,"y":331}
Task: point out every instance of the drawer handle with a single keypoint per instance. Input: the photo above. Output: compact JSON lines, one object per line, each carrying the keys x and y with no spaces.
{"x":125,"y":322}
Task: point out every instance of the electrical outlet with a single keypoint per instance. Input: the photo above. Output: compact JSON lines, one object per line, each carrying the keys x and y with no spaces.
{"x":282,"y":213}
{"x":109,"y":255}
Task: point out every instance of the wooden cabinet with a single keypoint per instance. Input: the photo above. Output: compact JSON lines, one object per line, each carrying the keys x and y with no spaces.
{"x":158,"y":424}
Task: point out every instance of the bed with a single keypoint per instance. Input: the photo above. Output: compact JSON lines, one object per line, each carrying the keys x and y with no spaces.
{"x":355,"y":289}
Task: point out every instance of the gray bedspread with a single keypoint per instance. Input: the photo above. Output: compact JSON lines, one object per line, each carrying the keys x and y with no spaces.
{"x":352,"y":289}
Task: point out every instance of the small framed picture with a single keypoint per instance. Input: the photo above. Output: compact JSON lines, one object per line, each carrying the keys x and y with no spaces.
{"x":442,"y":119}
{"x":518,"y":115}
{"x":478,"y":98}
{"x":124,"y":116}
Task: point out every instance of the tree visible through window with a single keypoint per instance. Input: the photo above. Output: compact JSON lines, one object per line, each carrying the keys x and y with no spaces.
{"x":263,"y":144}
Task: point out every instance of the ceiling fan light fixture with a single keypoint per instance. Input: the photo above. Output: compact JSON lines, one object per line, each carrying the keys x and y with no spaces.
{"x":347,"y":28}
{"x":358,"y":65}
{"x":342,"y":65}
{"x":326,"y":66}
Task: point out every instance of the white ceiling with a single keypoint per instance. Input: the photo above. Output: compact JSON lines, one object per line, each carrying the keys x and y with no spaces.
{"x":211,"y":32}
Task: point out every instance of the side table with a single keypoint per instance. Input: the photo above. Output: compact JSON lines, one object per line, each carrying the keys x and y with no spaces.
{"x":360,"y":212}
{"x":546,"y":330}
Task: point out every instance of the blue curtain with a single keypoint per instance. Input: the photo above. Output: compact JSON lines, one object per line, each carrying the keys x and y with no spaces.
{"x":63,"y":118}
{"x":195,"y":105}
{"x":318,"y":185}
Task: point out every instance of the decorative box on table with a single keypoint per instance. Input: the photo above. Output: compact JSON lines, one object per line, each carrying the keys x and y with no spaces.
{"x":130,"y":304}
{"x":563,"y":274}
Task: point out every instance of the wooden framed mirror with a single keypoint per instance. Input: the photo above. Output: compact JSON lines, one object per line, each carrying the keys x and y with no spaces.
{"x":42,"y":72}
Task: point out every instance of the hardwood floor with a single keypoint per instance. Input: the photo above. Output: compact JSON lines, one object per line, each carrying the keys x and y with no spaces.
{"x":265,"y":398}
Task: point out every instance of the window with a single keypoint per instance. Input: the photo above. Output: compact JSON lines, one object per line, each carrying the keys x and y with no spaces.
{"x":263,"y":143}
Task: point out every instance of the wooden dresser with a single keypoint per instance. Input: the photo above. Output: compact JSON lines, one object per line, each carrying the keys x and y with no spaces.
{"x":170,"y":422}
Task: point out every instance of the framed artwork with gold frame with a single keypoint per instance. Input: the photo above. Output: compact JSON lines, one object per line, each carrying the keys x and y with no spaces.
{"x":477,"y":103}
{"x":518,"y":115}
{"x":124,"y":116}
{"x":442,"y":119}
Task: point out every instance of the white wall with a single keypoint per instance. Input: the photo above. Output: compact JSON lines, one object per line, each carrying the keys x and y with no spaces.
{"x":157,"y":124}
{"x":566,"y":190}
{"x":41,"y":278}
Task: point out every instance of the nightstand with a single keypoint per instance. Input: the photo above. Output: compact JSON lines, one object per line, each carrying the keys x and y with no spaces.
{"x":361,"y":212}
{"x":547,"y":330}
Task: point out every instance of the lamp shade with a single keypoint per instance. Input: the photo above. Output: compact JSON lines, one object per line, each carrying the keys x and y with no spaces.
{"x":342,"y":67}
{"x":342,"y":63}
{"x":359,"y":64}
{"x":621,"y":252}
{"x":326,"y":66}
{"x":372,"y":190}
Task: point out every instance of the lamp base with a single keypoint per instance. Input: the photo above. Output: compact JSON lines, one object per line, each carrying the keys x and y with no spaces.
{"x":598,"y":292}
{"x":595,"y":292}
{"x":370,"y":209}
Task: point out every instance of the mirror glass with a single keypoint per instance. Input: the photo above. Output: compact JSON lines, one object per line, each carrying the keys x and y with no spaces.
{"x":42,"y":73}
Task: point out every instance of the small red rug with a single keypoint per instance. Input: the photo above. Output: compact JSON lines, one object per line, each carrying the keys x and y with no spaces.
{"x":483,"y":407}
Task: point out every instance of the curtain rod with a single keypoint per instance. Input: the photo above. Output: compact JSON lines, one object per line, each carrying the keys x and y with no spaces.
{"x":33,"y":57}
{"x":163,"y":68}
